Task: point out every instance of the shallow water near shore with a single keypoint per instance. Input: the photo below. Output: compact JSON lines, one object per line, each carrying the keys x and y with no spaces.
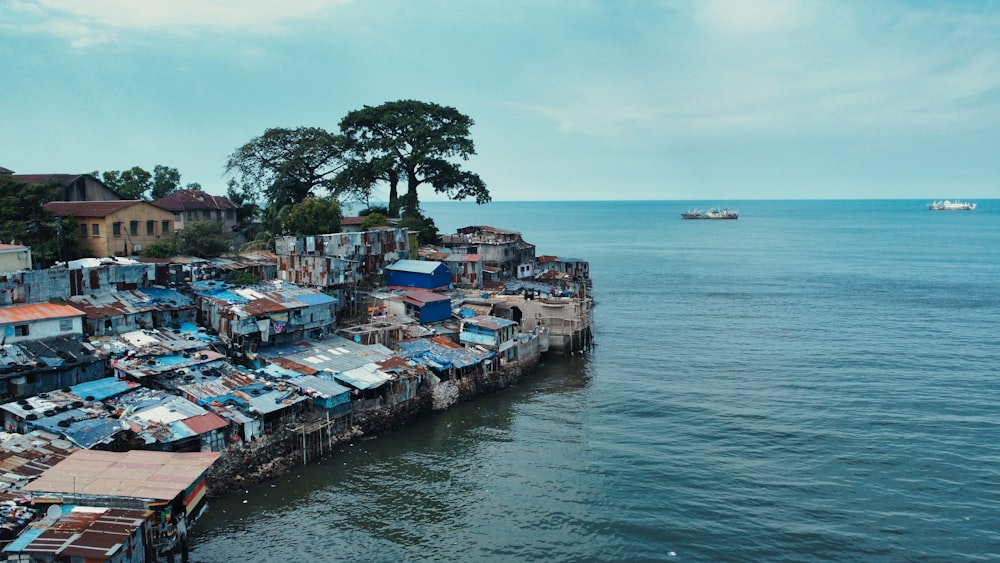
{"x":813,"y":381}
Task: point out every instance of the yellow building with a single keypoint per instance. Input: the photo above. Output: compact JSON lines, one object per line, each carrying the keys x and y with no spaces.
{"x":117,"y":228}
{"x":14,"y":257}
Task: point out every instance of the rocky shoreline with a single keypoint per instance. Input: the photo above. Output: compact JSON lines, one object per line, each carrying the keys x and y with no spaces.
{"x":273,"y":455}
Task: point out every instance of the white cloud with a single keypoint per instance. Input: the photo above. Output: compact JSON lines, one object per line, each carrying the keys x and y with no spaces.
{"x":822,"y":69}
{"x":98,"y":21}
{"x":751,"y":16}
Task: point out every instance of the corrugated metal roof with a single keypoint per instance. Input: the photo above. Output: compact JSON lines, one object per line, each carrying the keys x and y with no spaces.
{"x":418,"y":297}
{"x":87,"y":533}
{"x":37,"y":311}
{"x":367,"y":376}
{"x":492,"y":323}
{"x":332,"y":354}
{"x":416,"y":266}
{"x":140,"y":474}
{"x":205,"y":423}
{"x":325,"y":387}
{"x":315,"y":298}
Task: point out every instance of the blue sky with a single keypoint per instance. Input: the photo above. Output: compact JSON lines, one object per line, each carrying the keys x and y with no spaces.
{"x":572,"y":99}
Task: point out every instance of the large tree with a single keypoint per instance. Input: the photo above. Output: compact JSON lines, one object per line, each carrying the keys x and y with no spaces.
{"x":166,"y":180}
{"x":137,"y":183}
{"x":414,"y":142}
{"x":130,"y":184}
{"x":284,"y":166}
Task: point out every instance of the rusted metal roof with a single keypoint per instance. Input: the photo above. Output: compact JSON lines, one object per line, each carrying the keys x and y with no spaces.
{"x":183,"y":200}
{"x":418,"y":297}
{"x":137,"y":474}
{"x":88,"y":533}
{"x":91,"y":208}
{"x":36,"y":312}
{"x":205,"y":423}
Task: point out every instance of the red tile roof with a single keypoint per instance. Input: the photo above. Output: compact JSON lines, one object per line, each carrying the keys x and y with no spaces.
{"x":184,"y":200}
{"x":89,"y":208}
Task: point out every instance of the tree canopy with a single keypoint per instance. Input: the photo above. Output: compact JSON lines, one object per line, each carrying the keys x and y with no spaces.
{"x":203,"y":239}
{"x":137,"y":183}
{"x":314,"y":216}
{"x":284,"y":166}
{"x":23,"y":220}
{"x":414,"y":142}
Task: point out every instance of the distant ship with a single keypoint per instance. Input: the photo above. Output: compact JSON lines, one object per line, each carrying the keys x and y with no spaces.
{"x":714,"y":213}
{"x":948,"y":205}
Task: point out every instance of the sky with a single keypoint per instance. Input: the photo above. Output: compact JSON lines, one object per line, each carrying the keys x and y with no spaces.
{"x":710,"y":100}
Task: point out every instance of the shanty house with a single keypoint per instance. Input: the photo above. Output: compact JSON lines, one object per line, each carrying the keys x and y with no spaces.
{"x":39,"y":321}
{"x":279,"y":312}
{"x":490,"y":332}
{"x":87,"y":533}
{"x":427,"y":306}
{"x":422,"y":274}
{"x":171,"y":484}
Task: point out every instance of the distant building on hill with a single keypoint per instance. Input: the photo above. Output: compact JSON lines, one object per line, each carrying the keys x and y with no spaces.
{"x":76,"y":187}
{"x":189,"y":206}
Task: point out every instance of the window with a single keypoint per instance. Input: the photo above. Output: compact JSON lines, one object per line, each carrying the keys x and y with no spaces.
{"x":133,"y":227}
{"x":230,"y":214}
{"x":165,"y":226}
{"x":150,"y":227}
{"x":83,"y":230}
{"x":20,"y":330}
{"x":207,"y":214}
{"x":116,"y":229}
{"x":95,"y":230}
{"x":65,"y":325}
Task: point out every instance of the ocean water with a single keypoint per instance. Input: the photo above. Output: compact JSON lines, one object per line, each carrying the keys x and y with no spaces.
{"x":816,"y":381}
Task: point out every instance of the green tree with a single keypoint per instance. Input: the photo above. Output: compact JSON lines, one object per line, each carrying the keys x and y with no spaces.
{"x":373,"y":220}
{"x":284,"y":166}
{"x":414,"y":142}
{"x":165,"y":181}
{"x":427,"y":232}
{"x":23,"y":220}
{"x":159,"y":250}
{"x":243,"y":277}
{"x":130,"y":184}
{"x":203,"y":239}
{"x":271,"y":226}
{"x":314,"y":216}
{"x":374,"y":209}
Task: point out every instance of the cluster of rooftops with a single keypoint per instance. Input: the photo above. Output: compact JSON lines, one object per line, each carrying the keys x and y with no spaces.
{"x":164,"y":358}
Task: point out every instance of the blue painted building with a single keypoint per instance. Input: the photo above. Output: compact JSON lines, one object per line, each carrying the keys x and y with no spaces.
{"x":426,"y":306}
{"x":419,"y":274}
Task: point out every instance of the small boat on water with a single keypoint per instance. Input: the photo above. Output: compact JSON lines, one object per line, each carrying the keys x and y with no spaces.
{"x":948,"y":205}
{"x":714,"y":213}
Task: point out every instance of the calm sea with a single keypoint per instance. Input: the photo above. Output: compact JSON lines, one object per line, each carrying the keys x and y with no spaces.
{"x":818,"y":380}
